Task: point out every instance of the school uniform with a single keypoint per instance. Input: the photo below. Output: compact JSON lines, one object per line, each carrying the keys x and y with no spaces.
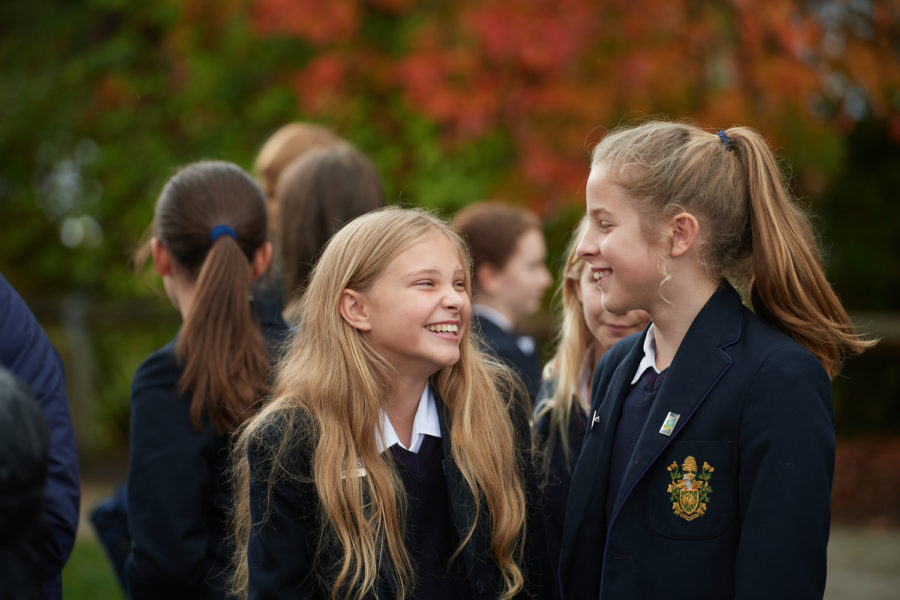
{"x":27,"y":352}
{"x":519,"y":352}
{"x":726,"y":493}
{"x":285,"y":532}
{"x":559,"y":470}
{"x":179,"y":492}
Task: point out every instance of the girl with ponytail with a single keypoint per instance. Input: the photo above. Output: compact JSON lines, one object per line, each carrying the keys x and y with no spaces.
{"x":394,"y":458}
{"x":208,"y":244}
{"x":709,"y":450}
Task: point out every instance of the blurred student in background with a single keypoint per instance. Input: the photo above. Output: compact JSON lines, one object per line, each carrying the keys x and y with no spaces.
{"x":27,"y":352}
{"x":586,"y":332}
{"x":316,"y":195}
{"x":510,"y":278}
{"x":288,"y":143}
{"x":209,"y":243}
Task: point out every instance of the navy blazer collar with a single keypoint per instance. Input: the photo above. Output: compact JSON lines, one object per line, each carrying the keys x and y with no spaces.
{"x":699,"y":364}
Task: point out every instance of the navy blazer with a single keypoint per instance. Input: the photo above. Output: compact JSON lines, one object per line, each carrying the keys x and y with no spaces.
{"x":26,"y":351}
{"x":748,"y":515}
{"x":559,"y":470}
{"x":503,"y":344}
{"x":285,"y":532}
{"x":179,"y":492}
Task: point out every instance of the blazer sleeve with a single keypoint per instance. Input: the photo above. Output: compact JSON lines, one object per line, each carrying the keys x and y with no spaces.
{"x":26,"y":351}
{"x":166,"y":481}
{"x":282,"y":533}
{"x":786,"y":467}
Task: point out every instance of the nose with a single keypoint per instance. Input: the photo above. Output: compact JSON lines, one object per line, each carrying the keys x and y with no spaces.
{"x":454,"y":299}
{"x":585,"y":248}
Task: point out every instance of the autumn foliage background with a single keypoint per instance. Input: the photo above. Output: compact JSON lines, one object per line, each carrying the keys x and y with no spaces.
{"x":455,"y":102}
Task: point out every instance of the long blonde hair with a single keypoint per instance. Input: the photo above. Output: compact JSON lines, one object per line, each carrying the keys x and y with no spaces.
{"x":332,"y":374}
{"x":572,"y":341}
{"x":756,"y":235}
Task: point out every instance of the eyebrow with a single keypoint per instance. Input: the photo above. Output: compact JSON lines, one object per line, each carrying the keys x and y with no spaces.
{"x":431,"y":272}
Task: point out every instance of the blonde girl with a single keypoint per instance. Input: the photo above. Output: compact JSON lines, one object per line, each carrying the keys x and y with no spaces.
{"x":708,"y":457}
{"x":586,"y":332}
{"x":392,"y":460}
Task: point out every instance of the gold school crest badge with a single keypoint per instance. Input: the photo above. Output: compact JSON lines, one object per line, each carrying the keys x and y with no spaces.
{"x":689,"y":490}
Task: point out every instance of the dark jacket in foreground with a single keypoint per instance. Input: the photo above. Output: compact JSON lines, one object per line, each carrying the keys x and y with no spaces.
{"x":27,"y":352}
{"x":283,"y":540}
{"x":756,"y":417}
{"x":179,"y":493}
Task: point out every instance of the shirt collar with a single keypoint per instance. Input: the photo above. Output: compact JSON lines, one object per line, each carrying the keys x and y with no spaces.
{"x":493,"y":315}
{"x":649,"y":359}
{"x":425,"y":422}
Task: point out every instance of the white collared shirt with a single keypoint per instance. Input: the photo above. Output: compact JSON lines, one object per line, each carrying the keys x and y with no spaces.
{"x":649,"y":359}
{"x":425,"y":422}
{"x":493,"y":315}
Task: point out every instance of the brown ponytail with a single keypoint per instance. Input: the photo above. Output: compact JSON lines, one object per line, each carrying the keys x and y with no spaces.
{"x":788,"y":286}
{"x":754,"y":233}
{"x":225,"y":357}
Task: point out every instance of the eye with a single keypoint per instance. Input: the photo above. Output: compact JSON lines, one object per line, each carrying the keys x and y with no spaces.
{"x":424,"y":283}
{"x":604,"y":225}
{"x":461,"y":284}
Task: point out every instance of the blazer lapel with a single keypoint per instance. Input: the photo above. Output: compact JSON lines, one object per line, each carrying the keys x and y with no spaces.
{"x":592,"y":468}
{"x":699,"y":364}
{"x":462,"y":504}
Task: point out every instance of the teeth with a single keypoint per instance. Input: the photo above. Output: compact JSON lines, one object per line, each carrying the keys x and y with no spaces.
{"x":443,"y":328}
{"x":596,"y":275}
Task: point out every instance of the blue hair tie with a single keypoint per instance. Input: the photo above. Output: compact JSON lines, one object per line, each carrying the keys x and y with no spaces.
{"x":725,"y":139}
{"x":220,"y":230}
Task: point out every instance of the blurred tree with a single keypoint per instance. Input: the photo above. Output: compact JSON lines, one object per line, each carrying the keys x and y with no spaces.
{"x":101,"y":100}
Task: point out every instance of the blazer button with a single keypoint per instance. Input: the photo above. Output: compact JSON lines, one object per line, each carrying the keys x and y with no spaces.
{"x":479,"y":586}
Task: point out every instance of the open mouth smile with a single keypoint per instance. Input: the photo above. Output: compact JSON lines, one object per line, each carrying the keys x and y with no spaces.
{"x":444,"y":328}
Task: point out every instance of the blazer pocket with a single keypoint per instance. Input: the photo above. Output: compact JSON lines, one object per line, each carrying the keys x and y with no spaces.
{"x":692,"y":495}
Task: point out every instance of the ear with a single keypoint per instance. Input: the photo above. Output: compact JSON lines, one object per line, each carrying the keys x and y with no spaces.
{"x":162,"y":260}
{"x":684,"y":230}
{"x":353,"y":310}
{"x":261,"y":259}
{"x":487,"y":279}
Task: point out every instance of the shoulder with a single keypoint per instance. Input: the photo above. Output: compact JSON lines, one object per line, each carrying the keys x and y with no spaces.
{"x":282,"y":437}
{"x":774,"y":352}
{"x":616,"y":355}
{"x":159,"y":371}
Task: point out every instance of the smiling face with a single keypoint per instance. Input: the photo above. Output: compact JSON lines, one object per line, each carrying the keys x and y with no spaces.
{"x":607,"y":328}
{"x":624,"y":263}
{"x":418,"y":308}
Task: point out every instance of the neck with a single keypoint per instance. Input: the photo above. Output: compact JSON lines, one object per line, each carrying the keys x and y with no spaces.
{"x":401,"y":404}
{"x":181,"y":293}
{"x":495,"y":306}
{"x":672,"y":321}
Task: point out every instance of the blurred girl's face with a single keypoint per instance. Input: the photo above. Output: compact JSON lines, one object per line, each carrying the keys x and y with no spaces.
{"x":524,"y":278}
{"x":606,"y":327}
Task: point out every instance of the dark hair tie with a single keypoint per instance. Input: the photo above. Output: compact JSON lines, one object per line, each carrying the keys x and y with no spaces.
{"x":725,"y":139}
{"x":220,"y":230}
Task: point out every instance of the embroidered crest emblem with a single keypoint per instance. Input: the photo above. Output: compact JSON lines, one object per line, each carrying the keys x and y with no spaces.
{"x":689,"y":490}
